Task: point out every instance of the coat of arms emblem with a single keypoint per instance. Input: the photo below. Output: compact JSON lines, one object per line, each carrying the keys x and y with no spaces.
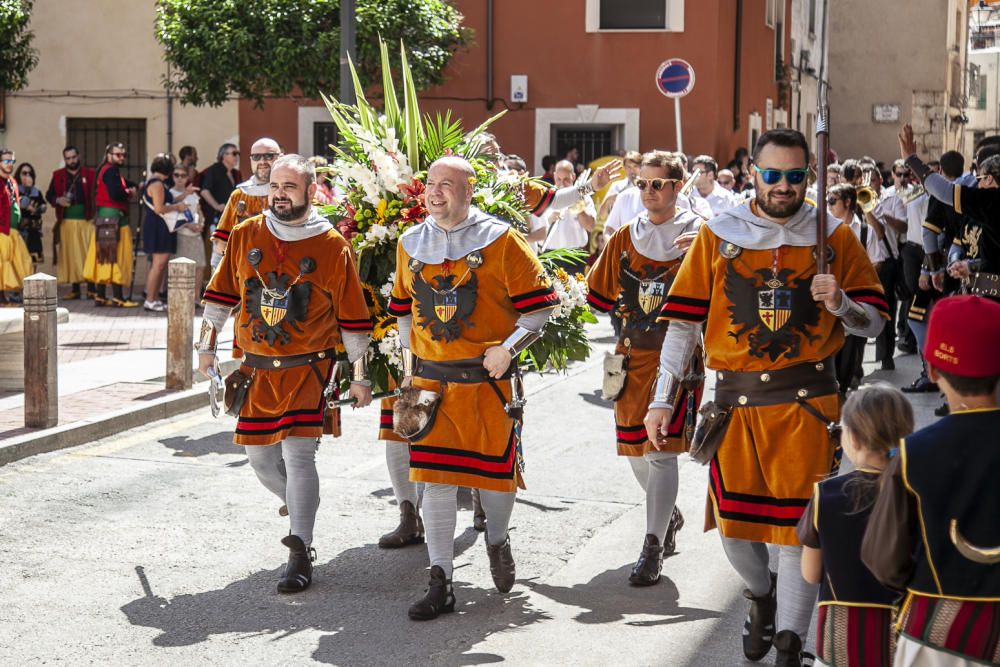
{"x":651,"y":295}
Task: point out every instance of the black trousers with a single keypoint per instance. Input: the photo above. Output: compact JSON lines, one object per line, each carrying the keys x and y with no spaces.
{"x":848,"y":362}
{"x":885,"y":343}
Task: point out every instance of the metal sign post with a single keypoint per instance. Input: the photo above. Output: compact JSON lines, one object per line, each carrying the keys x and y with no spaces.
{"x":675,"y":79}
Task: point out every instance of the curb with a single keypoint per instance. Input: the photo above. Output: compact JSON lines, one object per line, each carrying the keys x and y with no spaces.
{"x":108,"y":424}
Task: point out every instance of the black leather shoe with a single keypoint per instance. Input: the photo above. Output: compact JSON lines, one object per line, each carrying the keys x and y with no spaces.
{"x":646,"y":571}
{"x":758,"y":630}
{"x":922,"y":385}
{"x":906,"y":348}
{"x":478,"y":513}
{"x":298,"y":571}
{"x":789,"y":648}
{"x":439,"y":599}
{"x":409,"y":531}
{"x":501,"y":565}
{"x":674,"y":527}
{"x":889,"y":364}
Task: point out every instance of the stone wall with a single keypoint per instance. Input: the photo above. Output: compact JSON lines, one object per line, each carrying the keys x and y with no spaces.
{"x":929,"y":120}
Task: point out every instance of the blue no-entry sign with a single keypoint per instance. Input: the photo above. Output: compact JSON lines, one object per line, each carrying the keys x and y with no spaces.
{"x":675,"y":78}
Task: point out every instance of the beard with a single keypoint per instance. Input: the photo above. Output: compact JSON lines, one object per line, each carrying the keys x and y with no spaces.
{"x":779,"y":210}
{"x":292,"y":213}
{"x":263,"y":173}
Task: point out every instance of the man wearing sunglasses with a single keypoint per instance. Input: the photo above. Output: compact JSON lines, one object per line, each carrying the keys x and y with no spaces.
{"x":109,"y":258}
{"x":772,"y":325}
{"x":249,"y":198}
{"x":632,"y":277}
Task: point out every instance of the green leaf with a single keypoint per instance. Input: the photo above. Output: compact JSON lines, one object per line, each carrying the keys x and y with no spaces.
{"x":414,"y":131}
{"x":389,"y":101}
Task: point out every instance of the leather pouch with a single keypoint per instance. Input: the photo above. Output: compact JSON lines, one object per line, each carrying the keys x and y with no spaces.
{"x":710,"y":432}
{"x":237,"y":389}
{"x":106,"y":237}
{"x":615,"y":372}
{"x":414,"y":411}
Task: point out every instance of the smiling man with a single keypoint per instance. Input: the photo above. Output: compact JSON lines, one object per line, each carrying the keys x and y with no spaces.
{"x":469,"y":297}
{"x":771,"y":328}
{"x":292,"y":279}
{"x":249,"y":198}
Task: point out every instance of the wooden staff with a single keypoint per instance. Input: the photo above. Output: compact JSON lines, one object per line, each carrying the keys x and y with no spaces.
{"x":822,"y":153}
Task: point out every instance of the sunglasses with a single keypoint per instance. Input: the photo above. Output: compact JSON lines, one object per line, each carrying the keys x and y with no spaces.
{"x":900,"y":174}
{"x":8,"y":161}
{"x":832,"y":200}
{"x":257,"y":157}
{"x":180,"y":174}
{"x":119,"y":155}
{"x":774,"y":176}
{"x":236,"y":153}
{"x":656,"y":184}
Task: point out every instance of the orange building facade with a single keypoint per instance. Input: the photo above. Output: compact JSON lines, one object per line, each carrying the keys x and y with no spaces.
{"x":591,"y":84}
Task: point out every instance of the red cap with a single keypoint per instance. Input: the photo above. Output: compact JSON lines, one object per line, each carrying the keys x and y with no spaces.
{"x":963,"y":337}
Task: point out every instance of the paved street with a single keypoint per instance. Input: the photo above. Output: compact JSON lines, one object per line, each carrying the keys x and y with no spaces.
{"x":159,"y":547}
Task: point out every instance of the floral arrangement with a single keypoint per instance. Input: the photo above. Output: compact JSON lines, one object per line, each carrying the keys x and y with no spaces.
{"x":380,"y":165}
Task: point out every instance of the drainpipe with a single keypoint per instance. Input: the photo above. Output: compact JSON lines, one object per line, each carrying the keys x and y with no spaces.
{"x":170,"y":117}
{"x":736,"y":65}
{"x":489,"y":54}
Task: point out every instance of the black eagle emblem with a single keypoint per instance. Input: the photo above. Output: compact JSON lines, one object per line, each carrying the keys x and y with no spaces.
{"x":445,"y":308}
{"x":643,"y":292}
{"x":273,"y":309}
{"x":775,"y":317}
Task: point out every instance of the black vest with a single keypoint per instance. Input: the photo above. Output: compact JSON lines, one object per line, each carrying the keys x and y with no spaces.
{"x":952,"y":467}
{"x":845,"y":577}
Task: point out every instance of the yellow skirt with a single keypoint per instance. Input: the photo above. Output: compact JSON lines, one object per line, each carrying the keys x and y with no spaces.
{"x":119,"y":273}
{"x":75,"y":238}
{"x":15,"y":261}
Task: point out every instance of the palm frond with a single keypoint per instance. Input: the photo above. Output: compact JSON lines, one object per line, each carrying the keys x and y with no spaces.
{"x":390,"y":103}
{"x":414,"y":130}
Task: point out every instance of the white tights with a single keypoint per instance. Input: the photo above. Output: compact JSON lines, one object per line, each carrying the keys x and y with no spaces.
{"x":288,"y":470}
{"x":440,"y":509}
{"x":657,"y":475}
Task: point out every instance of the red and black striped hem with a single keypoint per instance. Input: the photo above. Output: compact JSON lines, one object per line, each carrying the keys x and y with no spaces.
{"x":220,"y":298}
{"x":971,"y":631}
{"x":684,"y":308}
{"x":272,"y":425}
{"x":400,"y":307}
{"x":460,"y":461}
{"x":751,"y":508}
{"x":631,"y":436}
{"x":221,"y":235}
{"x":385,"y":419}
{"x":536,"y":300}
{"x":355,"y":325}
{"x":544,"y":202}
{"x":599,"y":302}
{"x":871,"y":297}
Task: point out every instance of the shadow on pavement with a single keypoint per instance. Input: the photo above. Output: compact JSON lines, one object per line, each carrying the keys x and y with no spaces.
{"x":217,"y":443}
{"x":358,"y":600}
{"x":595,"y":398}
{"x":608,"y":598}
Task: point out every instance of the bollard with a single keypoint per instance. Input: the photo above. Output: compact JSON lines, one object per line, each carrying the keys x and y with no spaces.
{"x":41,"y":387}
{"x":180,"y":328}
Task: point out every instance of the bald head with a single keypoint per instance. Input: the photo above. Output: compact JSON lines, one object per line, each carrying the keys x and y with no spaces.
{"x":263,"y":153}
{"x":449,"y":190}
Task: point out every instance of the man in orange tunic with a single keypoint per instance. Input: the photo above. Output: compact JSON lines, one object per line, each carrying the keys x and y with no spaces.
{"x":633,"y":276}
{"x":292,"y":277}
{"x":249,"y":198}
{"x":771,"y":328}
{"x":469,"y":296}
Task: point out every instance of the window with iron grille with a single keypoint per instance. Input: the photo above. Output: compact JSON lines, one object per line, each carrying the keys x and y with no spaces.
{"x":92,"y":136}
{"x":324,"y":135}
{"x":591,"y":141}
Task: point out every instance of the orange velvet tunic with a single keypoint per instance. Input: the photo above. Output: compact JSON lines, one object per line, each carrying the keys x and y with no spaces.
{"x":241,"y":206}
{"x":625,"y":280}
{"x":759,"y":315}
{"x":458,"y":313}
{"x":283,"y":309}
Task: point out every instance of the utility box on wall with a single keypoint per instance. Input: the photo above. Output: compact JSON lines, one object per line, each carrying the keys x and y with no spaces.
{"x":519,"y":88}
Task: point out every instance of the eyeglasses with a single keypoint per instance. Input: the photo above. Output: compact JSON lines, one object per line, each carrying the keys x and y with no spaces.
{"x":119,"y":155}
{"x":180,"y":174}
{"x":28,"y":173}
{"x":656,"y":183}
{"x":725,"y":182}
{"x":832,"y":200}
{"x":8,"y":160}
{"x":900,"y":174}
{"x":257,"y":157}
{"x":236,"y":153}
{"x":774,"y":176}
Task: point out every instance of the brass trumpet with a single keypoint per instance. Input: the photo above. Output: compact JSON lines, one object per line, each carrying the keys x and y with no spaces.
{"x":867,"y":198}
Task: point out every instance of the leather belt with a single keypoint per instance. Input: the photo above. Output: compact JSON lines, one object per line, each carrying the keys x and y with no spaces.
{"x":651,"y":339}
{"x":786,"y":385}
{"x":293,"y":361}
{"x":463,"y":371}
{"x":985,"y":284}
